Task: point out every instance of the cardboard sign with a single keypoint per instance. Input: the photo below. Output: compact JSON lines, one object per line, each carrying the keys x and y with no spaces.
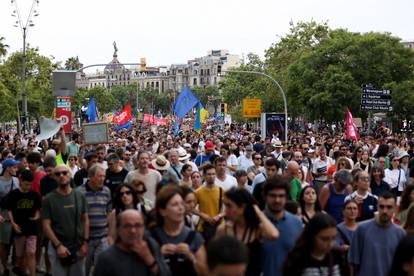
{"x":95,"y":133}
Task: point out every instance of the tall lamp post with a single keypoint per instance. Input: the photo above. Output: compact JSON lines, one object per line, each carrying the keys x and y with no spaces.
{"x":24,"y":27}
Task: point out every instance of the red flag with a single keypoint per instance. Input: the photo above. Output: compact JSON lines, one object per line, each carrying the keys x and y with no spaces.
{"x":351,"y":129}
{"x":123,"y":116}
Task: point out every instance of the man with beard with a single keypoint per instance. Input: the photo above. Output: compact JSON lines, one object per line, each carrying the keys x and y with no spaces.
{"x":66,"y":225}
{"x":274,"y":252}
{"x":375,"y":240}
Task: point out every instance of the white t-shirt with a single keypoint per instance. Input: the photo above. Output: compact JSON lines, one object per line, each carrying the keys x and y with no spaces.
{"x":244,"y":163}
{"x":322,"y":166}
{"x":395,"y":178}
{"x":229,"y":182}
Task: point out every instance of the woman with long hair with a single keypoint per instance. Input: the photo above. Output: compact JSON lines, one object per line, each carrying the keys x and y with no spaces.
{"x":309,"y":203}
{"x":196,"y":180}
{"x":378,"y":185}
{"x":347,"y":228}
{"x":124,"y":198}
{"x":315,"y":252}
{"x":248,"y":224}
{"x":191,"y":219}
{"x":182,"y":247}
{"x":357,"y":154}
{"x":364,"y":162}
{"x":186,"y":171}
{"x":407,"y":198}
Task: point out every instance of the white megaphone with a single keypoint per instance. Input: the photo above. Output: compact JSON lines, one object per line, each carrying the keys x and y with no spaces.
{"x":48,"y":128}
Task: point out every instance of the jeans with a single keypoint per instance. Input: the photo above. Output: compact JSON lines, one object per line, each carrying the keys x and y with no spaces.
{"x":76,"y":269}
{"x":95,"y":247}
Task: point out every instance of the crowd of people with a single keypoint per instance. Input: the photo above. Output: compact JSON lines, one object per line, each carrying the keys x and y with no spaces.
{"x":215,"y":202}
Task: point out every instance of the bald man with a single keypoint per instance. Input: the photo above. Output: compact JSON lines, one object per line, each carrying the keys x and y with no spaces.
{"x":133,"y":253}
{"x":66,"y":225}
{"x":291,"y":173}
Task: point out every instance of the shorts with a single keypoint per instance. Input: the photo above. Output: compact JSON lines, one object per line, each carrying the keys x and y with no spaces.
{"x":5,"y":233}
{"x":24,"y":244}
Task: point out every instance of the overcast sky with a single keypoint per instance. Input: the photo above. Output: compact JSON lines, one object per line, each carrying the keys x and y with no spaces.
{"x":168,"y":31}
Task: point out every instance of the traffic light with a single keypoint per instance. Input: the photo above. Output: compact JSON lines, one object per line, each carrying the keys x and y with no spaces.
{"x":223,"y":108}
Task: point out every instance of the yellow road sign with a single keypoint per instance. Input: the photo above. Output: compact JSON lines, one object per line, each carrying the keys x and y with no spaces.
{"x":252,"y":108}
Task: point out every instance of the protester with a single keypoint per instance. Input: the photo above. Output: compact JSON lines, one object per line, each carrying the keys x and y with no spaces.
{"x":333,"y":194}
{"x":98,"y":198}
{"x":191,"y":219}
{"x":134,"y":253}
{"x":181,"y":247}
{"x":315,"y":252}
{"x":143,"y":173}
{"x":81,"y":176}
{"x":223,"y":178}
{"x":115,"y":174}
{"x":320,"y":169}
{"x":226,"y":256}
{"x":247,"y":223}
{"x":66,"y":225}
{"x":309,"y":203}
{"x":378,"y":185}
{"x":367,"y":202}
{"x":346,"y":229}
{"x":256,"y":168}
{"x":364,"y":254}
{"x":124,"y":198}
{"x":196,"y":180}
{"x":291,"y":172}
{"x":23,"y":207}
{"x":8,"y":183}
{"x":186,"y":172}
{"x":274,"y":252}
{"x":395,"y":176}
{"x":407,"y":199}
{"x":210,"y":203}
{"x":271,"y":169}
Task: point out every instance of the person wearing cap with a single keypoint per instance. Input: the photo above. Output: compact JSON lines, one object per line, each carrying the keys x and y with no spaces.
{"x":333,"y":195}
{"x":161,"y":164}
{"x":245,"y":160}
{"x":404,"y":160}
{"x":184,"y":158}
{"x":8,"y":183}
{"x":205,"y":157}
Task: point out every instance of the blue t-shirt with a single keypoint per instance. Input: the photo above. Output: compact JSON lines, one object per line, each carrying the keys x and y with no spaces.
{"x":201,"y":158}
{"x":275,"y":252}
{"x":373,"y":247}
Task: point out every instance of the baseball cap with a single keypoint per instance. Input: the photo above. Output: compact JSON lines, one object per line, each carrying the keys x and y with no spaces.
{"x":209,"y":145}
{"x":9,"y":163}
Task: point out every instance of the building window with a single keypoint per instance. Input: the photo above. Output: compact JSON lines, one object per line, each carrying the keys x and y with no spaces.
{"x":195,"y":81}
{"x":208,"y":72}
{"x":157,"y":84}
{"x":201,"y":72}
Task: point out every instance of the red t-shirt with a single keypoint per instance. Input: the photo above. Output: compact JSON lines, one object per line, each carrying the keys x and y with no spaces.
{"x":36,"y":181}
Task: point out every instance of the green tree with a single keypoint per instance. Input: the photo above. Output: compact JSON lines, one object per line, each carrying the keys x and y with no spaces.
{"x":104,"y":100}
{"x":327,"y":79}
{"x":73,"y":63}
{"x":3,"y":47}
{"x":38,"y":85}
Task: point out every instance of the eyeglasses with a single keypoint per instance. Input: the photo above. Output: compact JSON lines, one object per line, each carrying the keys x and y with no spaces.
{"x":32,"y":146}
{"x":125,"y":193}
{"x":57,"y":174}
{"x":395,"y":160}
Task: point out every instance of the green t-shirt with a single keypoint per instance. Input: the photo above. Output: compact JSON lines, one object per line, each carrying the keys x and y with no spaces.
{"x":295,"y":188}
{"x":60,"y":209}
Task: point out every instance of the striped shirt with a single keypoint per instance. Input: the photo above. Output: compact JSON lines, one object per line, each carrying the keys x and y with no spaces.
{"x":99,"y":206}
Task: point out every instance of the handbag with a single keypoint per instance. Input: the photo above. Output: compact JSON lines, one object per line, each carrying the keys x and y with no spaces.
{"x":5,"y":199}
{"x":73,"y":256}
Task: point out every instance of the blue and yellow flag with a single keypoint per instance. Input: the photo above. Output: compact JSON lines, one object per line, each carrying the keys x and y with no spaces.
{"x":201,"y":117}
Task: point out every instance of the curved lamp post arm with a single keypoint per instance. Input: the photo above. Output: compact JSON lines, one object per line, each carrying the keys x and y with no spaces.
{"x":274,"y":82}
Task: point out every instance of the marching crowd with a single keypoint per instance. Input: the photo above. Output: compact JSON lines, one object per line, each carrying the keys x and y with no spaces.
{"x":222,"y":202}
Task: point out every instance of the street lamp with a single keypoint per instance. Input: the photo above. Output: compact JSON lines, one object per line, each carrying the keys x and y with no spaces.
{"x":24,"y":27}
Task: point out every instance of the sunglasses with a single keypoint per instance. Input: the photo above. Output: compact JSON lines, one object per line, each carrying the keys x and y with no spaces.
{"x":32,"y":146}
{"x":257,"y":158}
{"x":125,"y":193}
{"x":57,"y":174}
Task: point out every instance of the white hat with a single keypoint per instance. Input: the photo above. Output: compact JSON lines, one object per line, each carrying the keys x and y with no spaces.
{"x":403,"y":154}
{"x":182,"y":154}
{"x":161,"y":163}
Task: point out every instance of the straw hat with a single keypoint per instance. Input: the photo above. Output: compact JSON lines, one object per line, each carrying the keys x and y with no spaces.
{"x":161,"y":163}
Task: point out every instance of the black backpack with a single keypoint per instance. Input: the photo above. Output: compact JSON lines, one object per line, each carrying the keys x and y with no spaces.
{"x":178,"y":263}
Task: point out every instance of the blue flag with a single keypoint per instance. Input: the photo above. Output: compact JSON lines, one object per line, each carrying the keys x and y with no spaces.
{"x":91,"y":111}
{"x":176,"y":127}
{"x":184,"y":102}
{"x":127,"y":125}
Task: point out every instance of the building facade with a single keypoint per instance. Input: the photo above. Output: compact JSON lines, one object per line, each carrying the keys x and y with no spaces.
{"x":202,"y":72}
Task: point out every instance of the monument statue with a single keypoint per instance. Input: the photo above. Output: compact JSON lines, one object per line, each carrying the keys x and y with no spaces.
{"x":115,"y":49}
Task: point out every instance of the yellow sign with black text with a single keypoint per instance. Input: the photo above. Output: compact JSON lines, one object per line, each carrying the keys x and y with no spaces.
{"x":252,"y":108}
